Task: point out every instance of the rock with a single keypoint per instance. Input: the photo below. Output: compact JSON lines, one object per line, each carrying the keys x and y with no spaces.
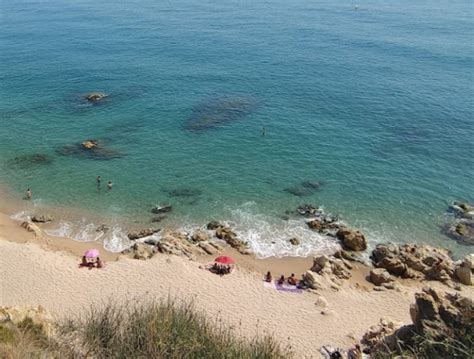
{"x":93,"y":149}
{"x":214,"y":225}
{"x":462,"y":210}
{"x":379,"y":276}
{"x":31,"y":227}
{"x":177,"y":243}
{"x":311,"y":279}
{"x":384,"y":250}
{"x":29,"y":161}
{"x":185,"y":192}
{"x":294,"y":241}
{"x":377,"y":332}
{"x":331,"y":268}
{"x":142,"y":233}
{"x":95,"y":96}
{"x":316,"y":185}
{"x":352,"y":239}
{"x":230,"y":237}
{"x":321,"y":302}
{"x":323,"y":225}
{"x":162,"y":208}
{"x":151,"y":241}
{"x":37,"y":314}
{"x":307,"y":210}
{"x":299,"y":191}
{"x":142,"y":251}
{"x":89,"y":144}
{"x":394,"y":266}
{"x":42,"y":218}
{"x":328,"y":312}
{"x":200,"y":236}
{"x":208,"y":248}
{"x":102,"y":228}
{"x":464,"y":273}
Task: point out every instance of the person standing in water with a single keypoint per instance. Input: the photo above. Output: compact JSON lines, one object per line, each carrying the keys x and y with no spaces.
{"x":29,"y":194}
{"x":264,"y":131}
{"x":109,"y":185}
{"x":98,"y":179}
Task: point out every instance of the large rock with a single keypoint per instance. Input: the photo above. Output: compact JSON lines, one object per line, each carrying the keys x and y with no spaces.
{"x":31,"y":227}
{"x":41,"y":218}
{"x":380,"y":276}
{"x":212,"y":225}
{"x":142,"y":233}
{"x":312,"y":280}
{"x":464,"y":271}
{"x":352,"y":239}
{"x":208,"y":248}
{"x":177,"y":243}
{"x":377,"y":332}
{"x":37,"y":314}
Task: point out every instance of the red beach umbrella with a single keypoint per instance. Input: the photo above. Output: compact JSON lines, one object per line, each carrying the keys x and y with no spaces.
{"x":225,"y":260}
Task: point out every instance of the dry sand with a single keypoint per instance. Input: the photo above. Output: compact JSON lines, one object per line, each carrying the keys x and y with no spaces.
{"x":32,"y":274}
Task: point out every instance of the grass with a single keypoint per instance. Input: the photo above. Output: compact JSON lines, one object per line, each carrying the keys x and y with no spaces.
{"x":152,"y":330}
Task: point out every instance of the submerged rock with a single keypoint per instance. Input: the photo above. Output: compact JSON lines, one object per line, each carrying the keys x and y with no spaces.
{"x":219,"y":110}
{"x":28,"y":161}
{"x":312,"y":184}
{"x":299,"y":191}
{"x":308,"y":210}
{"x":93,"y":149}
{"x":185,"y":192}
{"x":294,"y":241}
{"x":162,"y":208}
{"x":461,"y":228}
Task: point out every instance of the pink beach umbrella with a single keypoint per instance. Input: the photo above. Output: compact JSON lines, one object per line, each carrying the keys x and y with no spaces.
{"x":91,"y":253}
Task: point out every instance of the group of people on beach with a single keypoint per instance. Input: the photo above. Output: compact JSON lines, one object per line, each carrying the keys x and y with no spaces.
{"x":91,"y":264}
{"x":291,"y":280}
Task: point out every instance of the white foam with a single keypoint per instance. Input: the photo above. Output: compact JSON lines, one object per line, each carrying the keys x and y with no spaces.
{"x":64,"y":230}
{"x":117,"y":241}
{"x":21,"y":216}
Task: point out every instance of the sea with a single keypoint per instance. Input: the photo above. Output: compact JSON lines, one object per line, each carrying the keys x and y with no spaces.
{"x":239,"y":111}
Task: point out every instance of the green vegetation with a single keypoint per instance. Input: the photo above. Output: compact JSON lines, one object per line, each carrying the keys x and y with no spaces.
{"x":152,"y":330}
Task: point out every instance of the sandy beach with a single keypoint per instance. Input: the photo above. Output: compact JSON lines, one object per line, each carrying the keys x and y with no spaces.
{"x":45,"y":272}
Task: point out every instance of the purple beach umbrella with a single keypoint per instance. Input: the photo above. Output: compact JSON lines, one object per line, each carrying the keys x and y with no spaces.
{"x":91,"y":253}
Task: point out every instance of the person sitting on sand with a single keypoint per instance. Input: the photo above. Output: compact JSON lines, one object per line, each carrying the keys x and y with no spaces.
{"x":84,"y":262}
{"x":281,"y":280}
{"x":99,"y":263}
{"x":292,"y":279}
{"x":268,"y":277}
{"x":29,"y":194}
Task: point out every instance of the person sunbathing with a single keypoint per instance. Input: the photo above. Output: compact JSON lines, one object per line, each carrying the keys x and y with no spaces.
{"x":99,"y":263}
{"x":281,"y":280}
{"x":268,"y":277}
{"x":292,"y":279}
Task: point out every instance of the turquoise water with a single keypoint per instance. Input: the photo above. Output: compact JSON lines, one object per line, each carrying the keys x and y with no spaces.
{"x":375,"y":103}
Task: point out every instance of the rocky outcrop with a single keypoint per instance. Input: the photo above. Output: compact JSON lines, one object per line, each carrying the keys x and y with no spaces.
{"x":142,"y":251}
{"x":41,"y":218}
{"x":95,"y":96}
{"x":415,"y":261}
{"x":19,"y":314}
{"x":226,"y":234}
{"x":331,"y":267}
{"x":213,"y":225}
{"x":312,"y":280}
{"x":353,"y":240}
{"x":443,"y":320}
{"x":31,"y":227}
{"x":142,"y":233}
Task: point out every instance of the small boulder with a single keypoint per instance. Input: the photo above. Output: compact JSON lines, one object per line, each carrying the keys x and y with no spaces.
{"x":142,"y":233}
{"x":294,"y":241}
{"x":380,"y":276}
{"x":213,"y":225}
{"x":42,"y":218}
{"x":311,"y":279}
{"x":464,"y":272}
{"x":352,"y":239}
{"x":89,"y":144}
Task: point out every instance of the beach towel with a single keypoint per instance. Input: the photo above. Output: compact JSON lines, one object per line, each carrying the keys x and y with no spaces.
{"x":285,"y":287}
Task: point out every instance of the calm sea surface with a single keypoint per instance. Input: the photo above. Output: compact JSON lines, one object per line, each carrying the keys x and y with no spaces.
{"x":375,"y":103}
